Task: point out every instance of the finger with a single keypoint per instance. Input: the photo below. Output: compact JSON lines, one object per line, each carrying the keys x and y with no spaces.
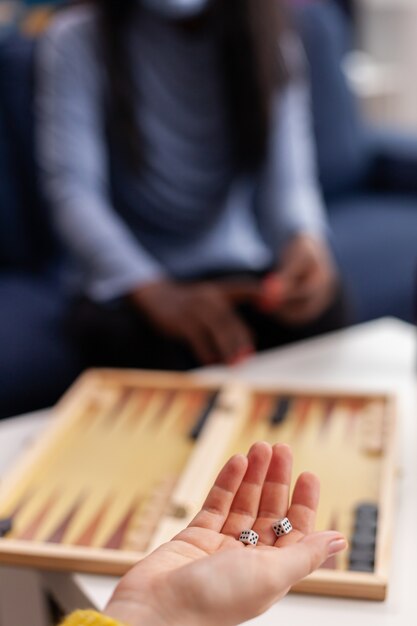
{"x":273,"y":293}
{"x":304,"y":291}
{"x":244,"y":509}
{"x":200,"y":344}
{"x":301,"y":311}
{"x":313,"y":273}
{"x":305,"y":311}
{"x":239,"y":292}
{"x":303,"y":510}
{"x":314,"y":285}
{"x":295,"y":265}
{"x":297,"y":269}
{"x":295,"y":562}
{"x":230,"y":338}
{"x":242,"y":343}
{"x":275,"y":493}
{"x":217,"y":505}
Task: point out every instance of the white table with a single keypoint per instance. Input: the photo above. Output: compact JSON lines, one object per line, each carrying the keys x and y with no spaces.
{"x":377,"y":356}
{"x":388,"y":34}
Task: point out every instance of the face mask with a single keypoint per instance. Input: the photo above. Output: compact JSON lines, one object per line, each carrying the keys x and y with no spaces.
{"x":177,"y":9}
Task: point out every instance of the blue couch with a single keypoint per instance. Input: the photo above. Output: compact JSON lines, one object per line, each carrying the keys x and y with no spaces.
{"x":37,"y":358}
{"x":369,"y":180}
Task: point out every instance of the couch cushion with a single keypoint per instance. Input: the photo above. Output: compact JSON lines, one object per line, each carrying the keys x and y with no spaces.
{"x":13,"y":231}
{"x":37,"y":360}
{"x":21,"y":199}
{"x":342,"y":143}
{"x":375,"y":240}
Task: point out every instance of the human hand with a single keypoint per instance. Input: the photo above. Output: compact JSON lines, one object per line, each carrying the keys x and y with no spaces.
{"x":304,"y":285}
{"x":206,"y":576}
{"x":200,"y":314}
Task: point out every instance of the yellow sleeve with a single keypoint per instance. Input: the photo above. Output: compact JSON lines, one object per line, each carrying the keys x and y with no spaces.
{"x":89,"y":618}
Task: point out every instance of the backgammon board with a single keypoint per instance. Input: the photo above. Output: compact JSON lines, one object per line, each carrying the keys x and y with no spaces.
{"x":129,"y":457}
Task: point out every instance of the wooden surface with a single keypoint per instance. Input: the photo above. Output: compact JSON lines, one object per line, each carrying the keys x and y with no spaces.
{"x":118,"y":472}
{"x":100,"y":467}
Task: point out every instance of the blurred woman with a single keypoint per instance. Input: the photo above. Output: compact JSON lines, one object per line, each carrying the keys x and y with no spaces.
{"x":177,"y":155}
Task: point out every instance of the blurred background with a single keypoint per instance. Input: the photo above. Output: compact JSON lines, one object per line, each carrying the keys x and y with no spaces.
{"x":362,"y":57}
{"x":380,"y":65}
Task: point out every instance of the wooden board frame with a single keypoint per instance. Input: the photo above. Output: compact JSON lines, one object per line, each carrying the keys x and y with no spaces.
{"x":365,"y":586}
{"x":189,"y":491}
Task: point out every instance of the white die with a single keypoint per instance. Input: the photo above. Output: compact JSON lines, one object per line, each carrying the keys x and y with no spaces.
{"x":249,"y":537}
{"x":282,"y":527}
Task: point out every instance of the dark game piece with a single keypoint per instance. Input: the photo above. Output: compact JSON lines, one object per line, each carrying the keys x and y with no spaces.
{"x":281,"y":410}
{"x":361,"y":566}
{"x":365,"y":555}
{"x":363,"y":540}
{"x":202,"y":419}
{"x":6,"y":526}
{"x":366,"y":524}
{"x":366,"y":510}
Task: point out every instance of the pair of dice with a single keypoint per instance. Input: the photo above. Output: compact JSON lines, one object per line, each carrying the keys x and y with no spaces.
{"x":280,"y":528}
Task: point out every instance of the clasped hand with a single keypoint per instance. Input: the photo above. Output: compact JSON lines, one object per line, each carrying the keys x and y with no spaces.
{"x":205,"y":315}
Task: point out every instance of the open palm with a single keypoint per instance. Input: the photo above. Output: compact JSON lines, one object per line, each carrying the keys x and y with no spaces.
{"x":205,"y":575}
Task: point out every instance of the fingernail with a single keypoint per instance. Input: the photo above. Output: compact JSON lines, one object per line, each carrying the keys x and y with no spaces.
{"x":337,"y":545}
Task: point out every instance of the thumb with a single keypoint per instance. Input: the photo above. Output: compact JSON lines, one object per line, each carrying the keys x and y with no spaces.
{"x":294,"y":265}
{"x":298,"y":560}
